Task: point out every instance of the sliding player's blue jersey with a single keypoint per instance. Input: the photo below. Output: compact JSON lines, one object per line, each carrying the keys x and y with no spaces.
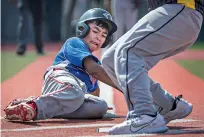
{"x":72,"y":54}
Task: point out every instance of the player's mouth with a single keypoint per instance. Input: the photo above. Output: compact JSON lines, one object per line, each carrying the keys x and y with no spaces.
{"x":94,"y":43}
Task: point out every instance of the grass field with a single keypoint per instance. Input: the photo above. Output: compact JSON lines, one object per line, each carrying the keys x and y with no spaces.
{"x":198,"y":46}
{"x":196,"y":67}
{"x":11,"y":64}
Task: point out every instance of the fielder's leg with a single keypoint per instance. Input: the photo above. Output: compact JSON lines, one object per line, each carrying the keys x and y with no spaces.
{"x":107,"y":61}
{"x":144,"y":47}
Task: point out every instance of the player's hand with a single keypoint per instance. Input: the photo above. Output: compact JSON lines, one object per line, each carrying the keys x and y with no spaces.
{"x":96,"y":92}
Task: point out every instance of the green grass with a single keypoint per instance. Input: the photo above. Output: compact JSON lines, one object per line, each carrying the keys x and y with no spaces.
{"x":11,"y":64}
{"x":196,"y":67}
{"x":198,"y":46}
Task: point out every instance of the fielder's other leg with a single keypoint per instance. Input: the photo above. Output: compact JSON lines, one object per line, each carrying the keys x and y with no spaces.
{"x":171,"y":108}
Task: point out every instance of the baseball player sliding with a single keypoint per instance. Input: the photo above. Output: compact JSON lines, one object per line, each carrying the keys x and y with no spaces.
{"x":125,"y":67}
{"x":169,"y":28}
{"x":73,"y":76}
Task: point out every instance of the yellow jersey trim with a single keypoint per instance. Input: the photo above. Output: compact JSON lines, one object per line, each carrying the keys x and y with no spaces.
{"x":187,"y":3}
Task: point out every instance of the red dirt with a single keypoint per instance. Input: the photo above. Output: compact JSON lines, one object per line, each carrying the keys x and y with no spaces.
{"x":172,"y":77}
{"x":190,"y":55}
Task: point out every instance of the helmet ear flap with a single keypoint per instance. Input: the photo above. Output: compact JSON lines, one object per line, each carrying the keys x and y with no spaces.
{"x":82,"y":29}
{"x":107,"y":41}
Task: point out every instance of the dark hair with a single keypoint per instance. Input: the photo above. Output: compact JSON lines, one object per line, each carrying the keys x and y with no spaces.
{"x":99,"y":23}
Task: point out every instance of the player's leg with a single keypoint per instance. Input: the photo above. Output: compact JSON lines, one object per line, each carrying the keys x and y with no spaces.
{"x":36,"y":10}
{"x":119,"y":17}
{"x":92,"y":107}
{"x":108,"y":64}
{"x":61,"y":94}
{"x":22,"y":28}
{"x":107,"y":61}
{"x":173,"y":107}
{"x":143,"y":49}
{"x":68,"y":7}
{"x":170,"y":107}
{"x":133,"y":77}
{"x":162,"y":99}
{"x":130,"y":21}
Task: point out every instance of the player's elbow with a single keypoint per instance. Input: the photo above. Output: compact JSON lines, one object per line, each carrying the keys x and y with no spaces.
{"x":95,"y":74}
{"x":96,"y":71}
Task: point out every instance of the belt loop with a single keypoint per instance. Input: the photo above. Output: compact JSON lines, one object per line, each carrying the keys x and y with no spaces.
{"x":57,"y":69}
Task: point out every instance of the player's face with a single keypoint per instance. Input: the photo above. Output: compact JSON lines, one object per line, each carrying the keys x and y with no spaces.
{"x":96,"y":37}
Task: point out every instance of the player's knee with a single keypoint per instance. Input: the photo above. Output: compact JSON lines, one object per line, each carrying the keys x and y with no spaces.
{"x":98,"y":105}
{"x":104,"y":107}
{"x":101,"y":109}
{"x":72,"y":100}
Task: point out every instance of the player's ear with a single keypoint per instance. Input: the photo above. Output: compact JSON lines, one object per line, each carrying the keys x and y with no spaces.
{"x":82,"y":30}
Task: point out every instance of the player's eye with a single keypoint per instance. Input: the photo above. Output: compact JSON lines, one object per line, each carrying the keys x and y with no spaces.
{"x":95,"y":31}
{"x":104,"y":35}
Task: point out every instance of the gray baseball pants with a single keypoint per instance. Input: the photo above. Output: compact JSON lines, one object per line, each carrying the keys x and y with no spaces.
{"x":163,"y":32}
{"x":63,"y":96}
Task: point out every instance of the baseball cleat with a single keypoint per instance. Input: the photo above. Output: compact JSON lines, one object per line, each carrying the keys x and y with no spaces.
{"x":22,"y":112}
{"x":142,"y":124}
{"x":182,"y":110}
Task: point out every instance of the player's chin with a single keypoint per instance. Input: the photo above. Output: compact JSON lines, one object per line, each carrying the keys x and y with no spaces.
{"x":94,"y":48}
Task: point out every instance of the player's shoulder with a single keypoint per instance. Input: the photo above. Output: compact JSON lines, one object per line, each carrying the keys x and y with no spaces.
{"x":75,"y":41}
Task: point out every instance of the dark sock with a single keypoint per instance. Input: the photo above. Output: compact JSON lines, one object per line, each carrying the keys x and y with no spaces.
{"x":175,"y":102}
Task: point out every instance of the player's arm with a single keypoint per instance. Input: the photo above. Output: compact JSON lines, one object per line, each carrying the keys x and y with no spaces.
{"x":96,"y":92}
{"x":97,"y":71}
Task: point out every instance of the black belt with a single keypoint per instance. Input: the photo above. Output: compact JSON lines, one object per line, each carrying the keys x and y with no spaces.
{"x":153,"y":4}
{"x":54,"y":69}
